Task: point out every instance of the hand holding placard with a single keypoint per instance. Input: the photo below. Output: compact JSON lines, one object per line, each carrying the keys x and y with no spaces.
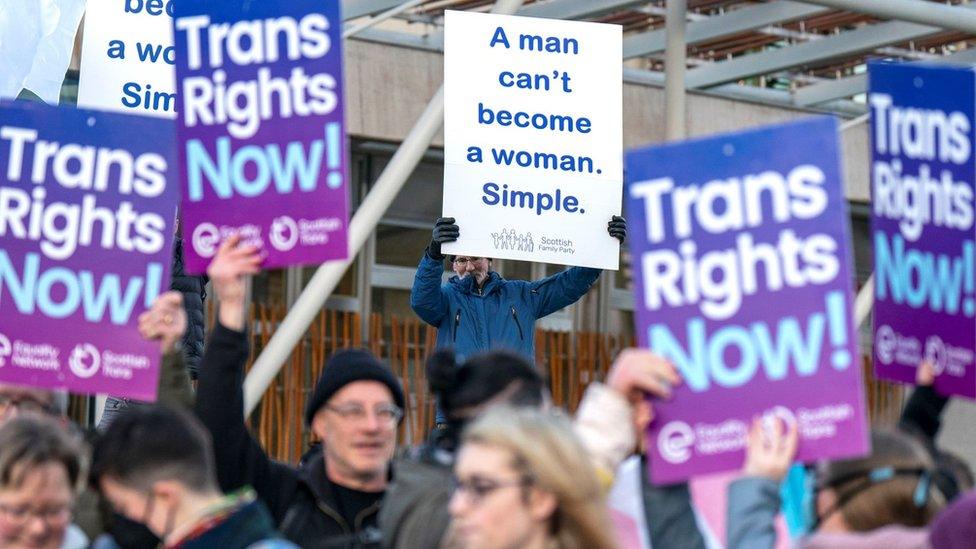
{"x":227,"y":272}
{"x":165,"y":321}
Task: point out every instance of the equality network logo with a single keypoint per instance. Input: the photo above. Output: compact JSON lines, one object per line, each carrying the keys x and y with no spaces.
{"x":675,"y":442}
{"x":206,"y":238}
{"x":85,"y":360}
{"x":6,"y":349}
{"x":284,"y":233}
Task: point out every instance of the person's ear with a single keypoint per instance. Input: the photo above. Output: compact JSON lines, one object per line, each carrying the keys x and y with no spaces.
{"x":318,"y":424}
{"x":168,"y":491}
{"x":542,"y":504}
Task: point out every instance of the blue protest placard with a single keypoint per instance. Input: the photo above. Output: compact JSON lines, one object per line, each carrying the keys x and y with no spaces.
{"x":262,"y":140}
{"x":87,"y":217}
{"x":922,"y":197}
{"x":742,"y":255}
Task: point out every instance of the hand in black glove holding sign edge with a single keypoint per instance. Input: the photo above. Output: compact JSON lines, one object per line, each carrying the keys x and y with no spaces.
{"x":445,"y":230}
{"x":617,"y":227}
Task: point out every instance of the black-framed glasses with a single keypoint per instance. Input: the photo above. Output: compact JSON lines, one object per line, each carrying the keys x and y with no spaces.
{"x":466,"y":260}
{"x":387,"y":413}
{"x":477,"y":488}
{"x":24,"y":404}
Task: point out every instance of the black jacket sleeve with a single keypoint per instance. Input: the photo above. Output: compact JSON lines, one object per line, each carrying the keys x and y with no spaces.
{"x":194,"y":293}
{"x":923,"y":412}
{"x":239,"y":458}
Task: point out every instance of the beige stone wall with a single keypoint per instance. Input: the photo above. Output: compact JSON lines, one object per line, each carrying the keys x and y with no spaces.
{"x":388,"y":87}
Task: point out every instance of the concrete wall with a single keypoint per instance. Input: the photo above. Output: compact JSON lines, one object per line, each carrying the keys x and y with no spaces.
{"x":387,"y":88}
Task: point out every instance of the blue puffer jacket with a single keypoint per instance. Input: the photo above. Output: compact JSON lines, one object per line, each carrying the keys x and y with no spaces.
{"x":500,"y":315}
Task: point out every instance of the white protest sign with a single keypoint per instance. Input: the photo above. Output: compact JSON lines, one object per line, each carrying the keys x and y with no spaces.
{"x":127,"y":57}
{"x":533,"y":137}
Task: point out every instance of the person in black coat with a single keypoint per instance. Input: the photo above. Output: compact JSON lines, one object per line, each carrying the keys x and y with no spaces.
{"x":333,"y":498}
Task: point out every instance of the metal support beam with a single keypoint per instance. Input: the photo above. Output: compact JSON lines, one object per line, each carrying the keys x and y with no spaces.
{"x":675,"y":61}
{"x":917,"y":11}
{"x":731,"y":23}
{"x":575,"y":9}
{"x":328,"y":275}
{"x":354,"y":9}
{"x":842,"y":45}
{"x":849,"y":86}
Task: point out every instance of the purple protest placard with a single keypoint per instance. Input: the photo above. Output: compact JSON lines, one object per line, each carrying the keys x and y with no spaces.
{"x":741,"y":250}
{"x":922,"y":190}
{"x":87,"y":213}
{"x":261,"y":132}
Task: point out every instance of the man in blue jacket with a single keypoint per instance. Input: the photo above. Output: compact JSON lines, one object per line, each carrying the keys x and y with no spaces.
{"x":482,"y":310}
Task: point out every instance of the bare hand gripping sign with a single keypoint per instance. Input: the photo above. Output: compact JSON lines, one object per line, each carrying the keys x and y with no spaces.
{"x":532,"y":127}
{"x":87,"y":213}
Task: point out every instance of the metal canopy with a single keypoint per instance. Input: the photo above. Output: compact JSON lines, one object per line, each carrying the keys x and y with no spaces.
{"x":808,"y":53}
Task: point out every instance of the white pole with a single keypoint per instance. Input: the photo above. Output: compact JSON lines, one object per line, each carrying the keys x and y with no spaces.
{"x":313,"y":297}
{"x":379,"y":18}
{"x":864,"y":302}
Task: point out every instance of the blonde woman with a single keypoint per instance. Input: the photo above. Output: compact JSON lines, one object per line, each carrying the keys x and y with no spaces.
{"x":524,"y":481}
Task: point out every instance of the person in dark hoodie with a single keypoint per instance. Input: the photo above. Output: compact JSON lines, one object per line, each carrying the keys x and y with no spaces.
{"x":155,"y":465}
{"x":333,"y":499}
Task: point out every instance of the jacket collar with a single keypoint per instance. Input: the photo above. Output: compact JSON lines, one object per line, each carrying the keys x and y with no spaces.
{"x":468,"y":285}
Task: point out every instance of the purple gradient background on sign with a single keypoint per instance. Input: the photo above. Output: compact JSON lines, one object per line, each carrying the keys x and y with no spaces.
{"x":263,"y":209}
{"x":138,"y":135}
{"x":948,"y":89}
{"x":779,"y":148}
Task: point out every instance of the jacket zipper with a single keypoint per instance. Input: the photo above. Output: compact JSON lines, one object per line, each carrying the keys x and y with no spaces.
{"x":329,"y":511}
{"x":457,"y":320}
{"x":517,"y":324}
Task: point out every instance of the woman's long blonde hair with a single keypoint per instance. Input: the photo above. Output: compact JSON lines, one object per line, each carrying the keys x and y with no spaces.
{"x":545,"y":450}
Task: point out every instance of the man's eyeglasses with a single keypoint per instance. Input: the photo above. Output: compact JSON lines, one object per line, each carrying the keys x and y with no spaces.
{"x":19,"y":515}
{"x":388,"y":414}
{"x":477,"y":489}
{"x":466,"y":260}
{"x":24,"y":405}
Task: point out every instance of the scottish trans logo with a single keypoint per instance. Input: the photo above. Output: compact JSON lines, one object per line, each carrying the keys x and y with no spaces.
{"x":284,"y":233}
{"x":85,"y":360}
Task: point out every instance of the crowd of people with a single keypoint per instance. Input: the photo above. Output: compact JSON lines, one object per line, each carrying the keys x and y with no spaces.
{"x":503,"y":468}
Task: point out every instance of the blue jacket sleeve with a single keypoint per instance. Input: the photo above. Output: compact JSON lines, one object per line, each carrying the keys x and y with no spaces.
{"x":752,"y":507}
{"x":562,"y":289}
{"x":427,"y":298}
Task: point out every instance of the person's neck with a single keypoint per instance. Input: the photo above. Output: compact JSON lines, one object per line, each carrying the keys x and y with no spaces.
{"x":364,"y":483}
{"x":192,"y":509}
{"x":538,"y":539}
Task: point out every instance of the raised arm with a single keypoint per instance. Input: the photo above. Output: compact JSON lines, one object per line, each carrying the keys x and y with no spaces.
{"x":427,"y":298}
{"x":239,"y":458}
{"x":563,"y":289}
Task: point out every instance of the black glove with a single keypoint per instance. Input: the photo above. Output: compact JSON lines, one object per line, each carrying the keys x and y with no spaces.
{"x":618,"y":228}
{"x":444,"y":231}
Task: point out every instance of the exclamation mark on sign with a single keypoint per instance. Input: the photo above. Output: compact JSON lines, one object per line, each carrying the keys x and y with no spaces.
{"x":968,"y":258}
{"x":333,"y":146}
{"x":837,"y":327}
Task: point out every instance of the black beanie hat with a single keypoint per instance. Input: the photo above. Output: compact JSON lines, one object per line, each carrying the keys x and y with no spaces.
{"x":345,"y":367}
